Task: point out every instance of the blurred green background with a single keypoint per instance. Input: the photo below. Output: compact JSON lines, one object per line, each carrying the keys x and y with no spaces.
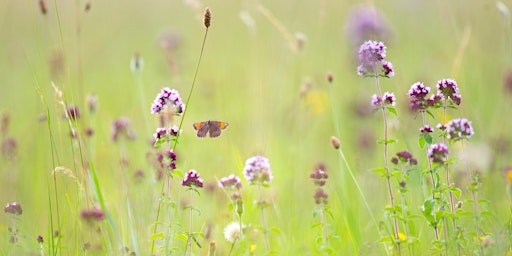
{"x":274,"y":95}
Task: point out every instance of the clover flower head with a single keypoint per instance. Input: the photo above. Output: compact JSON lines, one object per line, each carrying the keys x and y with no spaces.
{"x":458,"y":129}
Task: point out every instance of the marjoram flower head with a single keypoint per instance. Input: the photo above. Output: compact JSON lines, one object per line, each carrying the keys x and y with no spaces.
{"x":438,"y":153}
{"x":13,"y":208}
{"x":458,"y":129}
{"x":231,"y":182}
{"x":192,"y":179}
{"x":168,"y":97}
{"x":418,"y":91}
{"x":257,"y":170}
{"x":372,"y":61}
{"x":447,"y":89}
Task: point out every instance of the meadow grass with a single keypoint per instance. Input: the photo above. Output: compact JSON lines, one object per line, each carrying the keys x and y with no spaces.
{"x":265,"y":68}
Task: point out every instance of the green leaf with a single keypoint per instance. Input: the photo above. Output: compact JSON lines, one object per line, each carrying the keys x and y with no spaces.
{"x":456,"y":191}
{"x":275,"y":230}
{"x":422,"y":142}
{"x":381,"y":171}
{"x":389,"y":141}
{"x":157,"y":236}
{"x":392,"y":110}
{"x":181,"y":237}
{"x":430,"y":114}
{"x":158,"y":143}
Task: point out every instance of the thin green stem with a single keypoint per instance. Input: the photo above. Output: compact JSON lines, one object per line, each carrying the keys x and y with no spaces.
{"x":263,"y":221}
{"x":179,"y":129}
{"x":388,"y":175}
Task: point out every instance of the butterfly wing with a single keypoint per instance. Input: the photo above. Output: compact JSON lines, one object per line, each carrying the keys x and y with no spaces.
{"x":201,"y":128}
{"x":216,"y":128}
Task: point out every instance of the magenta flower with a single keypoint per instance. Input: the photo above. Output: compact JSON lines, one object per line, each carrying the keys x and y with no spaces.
{"x":257,"y":170}
{"x":447,"y":88}
{"x":231,"y":182}
{"x":122,"y":127}
{"x":319,"y":176}
{"x":371,"y":59}
{"x":438,"y":153}
{"x":426,"y":129}
{"x":320,"y":196}
{"x":192,"y":179}
{"x":168,"y":97}
{"x":160,"y":133}
{"x":418,"y":91}
{"x":91,"y":215}
{"x":13,"y":208}
{"x":458,"y":129}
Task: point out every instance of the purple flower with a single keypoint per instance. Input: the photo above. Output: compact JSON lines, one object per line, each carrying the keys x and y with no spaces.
{"x":257,"y":170}
{"x":389,"y":98}
{"x":426,"y":129}
{"x":74,"y":112}
{"x":376,"y":100}
{"x":404,"y":157}
{"x":458,"y":129}
{"x":372,"y":52}
{"x":387,"y":69}
{"x":435,"y":100}
{"x":122,"y":126}
{"x":171,"y":155}
{"x":160,"y":133}
{"x":365,"y":22}
{"x":371,"y":59}
{"x":91,"y":215}
{"x":174,"y":131}
{"x":320,"y":196}
{"x":231,"y":182}
{"x":448,"y":89}
{"x":416,"y":105}
{"x":192,"y":179}
{"x":319,"y":176}
{"x":164,"y":98}
{"x":13,"y":208}
{"x":418,"y":91}
{"x":438,"y":153}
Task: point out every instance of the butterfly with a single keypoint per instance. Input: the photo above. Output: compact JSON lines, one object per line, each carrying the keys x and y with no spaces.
{"x":212,"y":127}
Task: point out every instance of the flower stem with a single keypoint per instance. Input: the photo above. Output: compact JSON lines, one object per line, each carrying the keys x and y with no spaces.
{"x":388,"y":175}
{"x":179,"y":129}
{"x":263,"y":222}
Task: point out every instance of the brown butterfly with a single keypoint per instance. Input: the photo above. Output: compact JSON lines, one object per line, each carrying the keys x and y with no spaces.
{"x":212,"y":127}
